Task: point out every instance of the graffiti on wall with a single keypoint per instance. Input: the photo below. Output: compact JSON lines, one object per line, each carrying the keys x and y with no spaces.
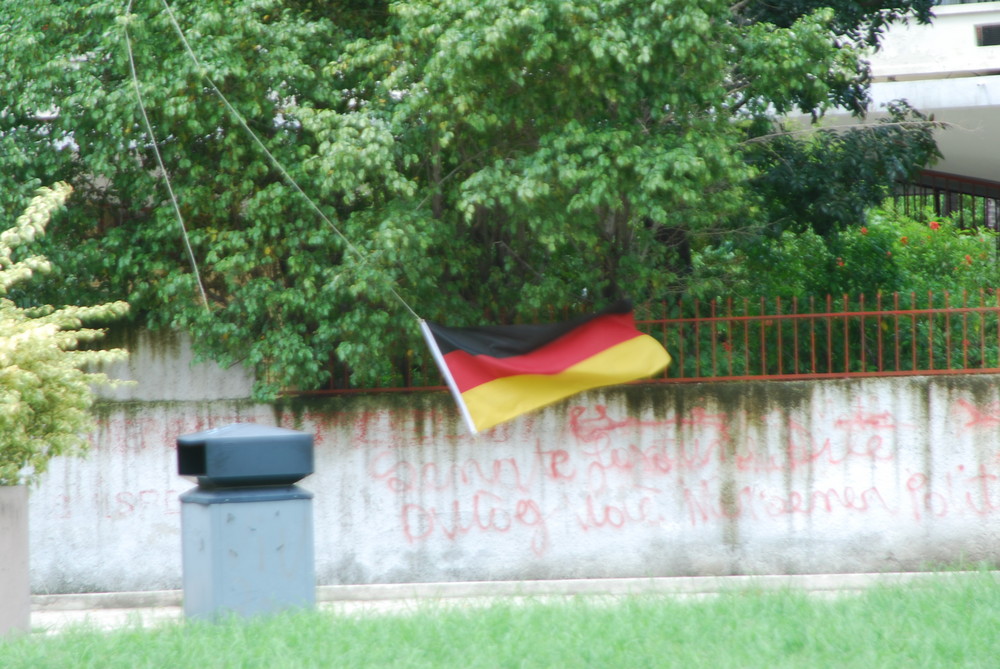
{"x":696,"y":469}
{"x":605,"y":471}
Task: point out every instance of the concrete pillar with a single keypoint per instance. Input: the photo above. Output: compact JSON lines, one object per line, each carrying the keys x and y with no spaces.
{"x":246,"y":530}
{"x":15,"y":583}
{"x":247,"y":551}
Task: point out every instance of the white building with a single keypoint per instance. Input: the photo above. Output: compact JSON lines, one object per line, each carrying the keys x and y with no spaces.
{"x":951,"y":69}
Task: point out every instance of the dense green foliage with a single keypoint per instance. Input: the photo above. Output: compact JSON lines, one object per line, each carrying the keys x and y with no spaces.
{"x":948,"y":622}
{"x":855,"y":22}
{"x":827,"y":181}
{"x":45,"y":390}
{"x":482,"y":157}
{"x":888,"y":251}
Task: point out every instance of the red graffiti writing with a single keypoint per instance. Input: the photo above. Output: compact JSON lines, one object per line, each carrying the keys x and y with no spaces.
{"x":485,"y":512}
{"x":701,"y":468}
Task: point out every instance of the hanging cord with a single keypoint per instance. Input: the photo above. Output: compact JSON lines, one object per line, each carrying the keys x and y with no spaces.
{"x":270,"y":157}
{"x":159,"y":161}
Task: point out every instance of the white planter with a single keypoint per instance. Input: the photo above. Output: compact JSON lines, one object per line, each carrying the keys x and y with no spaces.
{"x":15,"y":585}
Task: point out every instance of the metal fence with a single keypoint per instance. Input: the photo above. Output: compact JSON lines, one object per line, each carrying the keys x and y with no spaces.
{"x":793,"y":339}
{"x":781,"y":339}
{"x":974,"y":203}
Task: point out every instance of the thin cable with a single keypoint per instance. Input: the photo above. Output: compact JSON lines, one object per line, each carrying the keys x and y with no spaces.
{"x":159,"y":160}
{"x":274,"y":161}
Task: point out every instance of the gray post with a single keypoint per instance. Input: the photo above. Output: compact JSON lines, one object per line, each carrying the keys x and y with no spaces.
{"x":15,"y":584}
{"x":246,"y":530}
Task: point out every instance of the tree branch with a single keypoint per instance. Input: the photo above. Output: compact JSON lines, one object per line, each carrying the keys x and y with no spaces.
{"x":898,"y":124}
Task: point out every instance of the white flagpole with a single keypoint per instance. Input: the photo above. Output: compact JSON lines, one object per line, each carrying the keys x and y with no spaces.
{"x":449,"y":379}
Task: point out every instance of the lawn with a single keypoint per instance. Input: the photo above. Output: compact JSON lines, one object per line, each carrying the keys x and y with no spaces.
{"x":951,"y":622}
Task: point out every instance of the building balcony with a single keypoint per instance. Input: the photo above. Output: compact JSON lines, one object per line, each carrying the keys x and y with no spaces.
{"x":950,"y":69}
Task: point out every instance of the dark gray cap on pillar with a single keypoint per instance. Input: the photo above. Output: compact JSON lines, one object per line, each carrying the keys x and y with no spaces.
{"x":245,"y":454}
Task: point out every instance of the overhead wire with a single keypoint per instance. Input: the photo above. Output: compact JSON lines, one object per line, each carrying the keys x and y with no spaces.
{"x":275,"y":163}
{"x":159,"y":161}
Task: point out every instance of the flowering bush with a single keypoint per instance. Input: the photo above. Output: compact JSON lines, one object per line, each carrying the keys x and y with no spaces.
{"x":928,"y":260}
{"x":45,"y":392}
{"x":894,"y":252}
{"x":937,"y":255}
{"x":889,"y":252}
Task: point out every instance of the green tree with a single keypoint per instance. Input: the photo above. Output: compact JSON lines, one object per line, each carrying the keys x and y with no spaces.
{"x":827,"y":180}
{"x":45,"y":390}
{"x":855,"y":23}
{"x":484,"y":158}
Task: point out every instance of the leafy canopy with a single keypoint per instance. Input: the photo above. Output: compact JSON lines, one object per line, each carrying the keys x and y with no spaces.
{"x":484,"y":157}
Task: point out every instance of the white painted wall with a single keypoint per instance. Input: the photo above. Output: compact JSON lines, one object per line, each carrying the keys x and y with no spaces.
{"x":162,"y":366}
{"x":946,"y":48}
{"x":831,"y":476}
{"x":941,"y":71}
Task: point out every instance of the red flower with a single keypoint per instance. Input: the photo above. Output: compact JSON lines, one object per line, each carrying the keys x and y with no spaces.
{"x":968,"y":260}
{"x":904,"y":240}
{"x":840,"y":262}
{"x":934,"y":225}
{"x":864,"y":230}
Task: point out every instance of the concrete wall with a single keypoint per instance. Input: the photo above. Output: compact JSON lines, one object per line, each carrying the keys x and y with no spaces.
{"x":941,"y":71}
{"x":831,"y":476}
{"x":15,"y":590}
{"x":945,"y":48}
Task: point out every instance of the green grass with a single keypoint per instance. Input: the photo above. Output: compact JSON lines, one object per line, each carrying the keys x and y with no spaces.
{"x":953,"y":622}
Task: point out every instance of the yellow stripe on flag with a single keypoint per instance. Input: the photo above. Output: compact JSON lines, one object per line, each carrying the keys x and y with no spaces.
{"x":497,"y":401}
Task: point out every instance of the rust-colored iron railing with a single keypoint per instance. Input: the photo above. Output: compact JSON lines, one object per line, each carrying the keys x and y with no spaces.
{"x":786,"y":339}
{"x":793,"y":339}
{"x":974,"y":203}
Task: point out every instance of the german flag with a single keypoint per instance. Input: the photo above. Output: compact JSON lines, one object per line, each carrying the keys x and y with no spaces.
{"x":499,"y":372}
